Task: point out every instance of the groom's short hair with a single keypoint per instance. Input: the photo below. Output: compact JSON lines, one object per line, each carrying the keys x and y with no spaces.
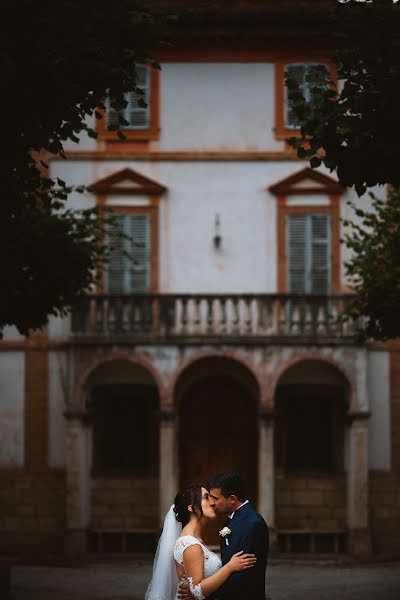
{"x":230,"y":483}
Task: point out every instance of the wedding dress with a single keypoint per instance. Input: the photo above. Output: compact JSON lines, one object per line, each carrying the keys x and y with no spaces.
{"x":212,"y":562}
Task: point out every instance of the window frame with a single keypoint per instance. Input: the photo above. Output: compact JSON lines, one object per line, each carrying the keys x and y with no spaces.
{"x":333,"y":211}
{"x":152,"y":132}
{"x":152,"y":211}
{"x":282,"y":131}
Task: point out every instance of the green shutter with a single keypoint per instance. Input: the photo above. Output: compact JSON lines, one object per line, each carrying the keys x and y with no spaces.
{"x":128,"y":268}
{"x":308,"y":254}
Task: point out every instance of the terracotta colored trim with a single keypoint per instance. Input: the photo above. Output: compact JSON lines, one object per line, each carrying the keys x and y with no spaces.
{"x":182,"y":155}
{"x":143,"y":185}
{"x":332,"y":210}
{"x":152,"y":133}
{"x":287,"y":186}
{"x":151,"y":210}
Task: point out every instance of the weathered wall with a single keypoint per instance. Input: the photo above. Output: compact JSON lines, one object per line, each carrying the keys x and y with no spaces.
{"x":124,"y":503}
{"x":12,"y":408}
{"x":32,"y":513}
{"x":311,"y":503}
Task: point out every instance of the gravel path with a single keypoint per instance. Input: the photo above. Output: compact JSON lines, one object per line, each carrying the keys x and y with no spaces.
{"x":114,"y":580}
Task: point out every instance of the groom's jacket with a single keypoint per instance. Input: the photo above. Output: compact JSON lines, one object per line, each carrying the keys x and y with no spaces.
{"x":249,"y":533}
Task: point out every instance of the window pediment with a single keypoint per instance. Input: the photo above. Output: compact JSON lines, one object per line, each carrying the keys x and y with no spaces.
{"x":306,"y":181}
{"x":129,"y":182}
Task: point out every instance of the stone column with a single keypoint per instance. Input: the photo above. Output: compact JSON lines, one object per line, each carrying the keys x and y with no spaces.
{"x":168,"y":462}
{"x":77,"y":498}
{"x":266,"y":472}
{"x":357,"y":486}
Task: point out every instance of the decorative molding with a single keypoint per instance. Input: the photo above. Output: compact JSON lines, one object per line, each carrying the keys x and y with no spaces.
{"x":127,"y":182}
{"x":181,"y":155}
{"x":324,"y":185}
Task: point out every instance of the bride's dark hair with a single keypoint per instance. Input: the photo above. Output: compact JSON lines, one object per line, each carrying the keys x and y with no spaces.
{"x":190,"y":496}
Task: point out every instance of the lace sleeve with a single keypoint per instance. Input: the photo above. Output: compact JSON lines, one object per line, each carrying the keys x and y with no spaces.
{"x":181,"y":544}
{"x":195,"y":590}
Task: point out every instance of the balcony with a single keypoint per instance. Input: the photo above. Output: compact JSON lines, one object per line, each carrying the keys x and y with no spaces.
{"x":222,"y":318}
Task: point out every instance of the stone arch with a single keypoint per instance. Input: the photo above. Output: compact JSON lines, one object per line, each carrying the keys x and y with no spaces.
{"x":286,"y":366}
{"x":217,"y":400}
{"x":104,"y":362}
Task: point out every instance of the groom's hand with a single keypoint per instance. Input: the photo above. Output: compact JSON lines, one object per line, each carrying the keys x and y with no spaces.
{"x":184,"y":591}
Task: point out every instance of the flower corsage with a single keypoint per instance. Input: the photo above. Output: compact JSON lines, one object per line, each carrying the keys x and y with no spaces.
{"x":224,"y":533}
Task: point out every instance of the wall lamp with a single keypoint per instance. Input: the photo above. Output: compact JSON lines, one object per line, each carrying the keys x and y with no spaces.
{"x":217,"y":239}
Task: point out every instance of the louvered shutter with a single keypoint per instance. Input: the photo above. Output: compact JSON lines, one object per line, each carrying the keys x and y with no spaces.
{"x":298,"y":72}
{"x":297,"y":253}
{"x":308,"y":254}
{"x":128,"y":269}
{"x":320,"y":276}
{"x":135,"y":115}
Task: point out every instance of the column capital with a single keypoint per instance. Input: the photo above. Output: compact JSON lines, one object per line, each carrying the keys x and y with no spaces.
{"x":267,"y":415}
{"x":354,"y":416}
{"x":73,"y":414}
{"x":167,"y":416}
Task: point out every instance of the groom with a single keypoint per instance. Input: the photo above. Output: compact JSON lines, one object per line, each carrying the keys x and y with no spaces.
{"x":244,"y":530}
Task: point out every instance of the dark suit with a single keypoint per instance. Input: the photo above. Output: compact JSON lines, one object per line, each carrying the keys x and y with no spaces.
{"x":249,"y":533}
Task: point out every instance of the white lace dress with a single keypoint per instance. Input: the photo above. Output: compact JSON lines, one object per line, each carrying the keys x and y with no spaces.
{"x":212,"y":562}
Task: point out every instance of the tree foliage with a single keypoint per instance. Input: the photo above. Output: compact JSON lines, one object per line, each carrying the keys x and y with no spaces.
{"x":374,"y":268}
{"x":59,"y":60}
{"x":355,"y":130}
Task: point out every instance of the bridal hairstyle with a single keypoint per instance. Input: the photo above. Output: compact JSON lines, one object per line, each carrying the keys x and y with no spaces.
{"x":190,"y":496}
{"x":230,"y":483}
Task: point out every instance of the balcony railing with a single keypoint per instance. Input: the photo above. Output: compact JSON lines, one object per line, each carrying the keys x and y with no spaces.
{"x":204,"y":316}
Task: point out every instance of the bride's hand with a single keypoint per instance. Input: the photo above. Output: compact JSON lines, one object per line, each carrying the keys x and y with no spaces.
{"x":240,"y":561}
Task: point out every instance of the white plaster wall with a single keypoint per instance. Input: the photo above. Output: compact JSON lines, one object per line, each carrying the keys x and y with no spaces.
{"x":224,"y":106}
{"x":56,"y":408}
{"x":379,"y":422}
{"x":11,"y":409}
{"x":11,"y":334}
{"x":197,"y":191}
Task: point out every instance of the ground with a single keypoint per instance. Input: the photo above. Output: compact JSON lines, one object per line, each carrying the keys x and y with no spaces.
{"x":128,"y":579}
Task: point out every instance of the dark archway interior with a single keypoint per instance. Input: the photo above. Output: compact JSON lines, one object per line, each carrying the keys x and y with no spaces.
{"x":311,"y":402}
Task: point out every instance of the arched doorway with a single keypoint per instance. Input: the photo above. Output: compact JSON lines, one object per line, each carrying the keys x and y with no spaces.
{"x":217,"y":400}
{"x":123,"y":407}
{"x":312,"y":398}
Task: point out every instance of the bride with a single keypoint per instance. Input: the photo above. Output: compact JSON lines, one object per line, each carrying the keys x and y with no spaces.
{"x":181,"y":553}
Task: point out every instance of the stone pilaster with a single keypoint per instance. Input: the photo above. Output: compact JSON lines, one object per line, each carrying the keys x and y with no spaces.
{"x":266,"y":472}
{"x":168,"y":462}
{"x":357,"y":486}
{"x":77,"y":496}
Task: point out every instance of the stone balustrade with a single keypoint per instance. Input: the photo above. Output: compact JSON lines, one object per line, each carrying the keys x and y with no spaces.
{"x":228,"y":317}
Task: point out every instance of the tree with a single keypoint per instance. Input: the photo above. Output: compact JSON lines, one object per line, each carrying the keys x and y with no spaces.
{"x":355,"y":130}
{"x":374,"y":269}
{"x":59,"y":60}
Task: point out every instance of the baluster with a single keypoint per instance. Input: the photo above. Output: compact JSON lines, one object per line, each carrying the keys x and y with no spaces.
{"x":295,"y":324}
{"x":248,"y":321}
{"x":235,"y":320}
{"x":196,"y":315}
{"x":322,"y":319}
{"x":184,"y":321}
{"x":210,"y":323}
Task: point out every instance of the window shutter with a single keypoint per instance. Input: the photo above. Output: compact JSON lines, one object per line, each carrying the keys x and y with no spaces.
{"x":308,"y":254}
{"x":139,"y":268}
{"x":135,"y":115}
{"x":298,"y":72}
{"x":320,"y":275}
{"x":128,"y":269}
{"x":297,"y":253}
